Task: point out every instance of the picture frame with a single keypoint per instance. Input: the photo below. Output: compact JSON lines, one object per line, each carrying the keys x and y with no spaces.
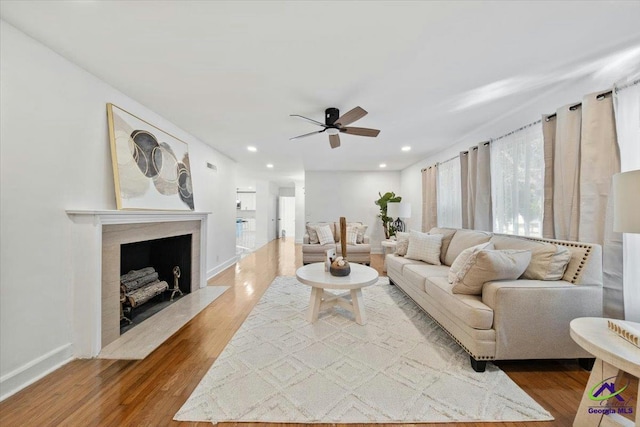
{"x":151,"y":168}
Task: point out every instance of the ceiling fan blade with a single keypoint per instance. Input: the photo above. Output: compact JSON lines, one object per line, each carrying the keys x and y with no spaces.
{"x":351,"y":116}
{"x":360,"y":131}
{"x":306,"y":134}
{"x":334,"y":141}
{"x":315,"y":122}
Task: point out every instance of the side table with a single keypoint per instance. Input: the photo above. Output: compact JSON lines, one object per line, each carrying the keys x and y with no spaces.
{"x":388,"y":246}
{"x":612,"y":354}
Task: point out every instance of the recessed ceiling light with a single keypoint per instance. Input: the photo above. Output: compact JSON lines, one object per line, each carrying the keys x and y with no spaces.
{"x":269,"y":165}
{"x":252,"y":149}
{"x":383,"y":165}
{"x":406,"y":148}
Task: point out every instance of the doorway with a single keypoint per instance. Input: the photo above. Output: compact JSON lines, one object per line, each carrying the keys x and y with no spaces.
{"x":286,"y":217}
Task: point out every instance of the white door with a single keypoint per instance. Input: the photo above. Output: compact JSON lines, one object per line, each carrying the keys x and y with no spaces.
{"x":286,"y":216}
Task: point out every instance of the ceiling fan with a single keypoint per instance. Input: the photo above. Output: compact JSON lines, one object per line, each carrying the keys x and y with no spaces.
{"x":334,"y":124}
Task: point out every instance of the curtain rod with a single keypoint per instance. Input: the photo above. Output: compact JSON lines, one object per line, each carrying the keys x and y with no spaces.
{"x":517,"y":130}
{"x":626,"y":86}
{"x":573,"y":107}
{"x":599,"y":97}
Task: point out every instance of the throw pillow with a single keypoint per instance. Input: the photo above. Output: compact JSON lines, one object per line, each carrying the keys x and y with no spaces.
{"x":325,"y":236}
{"x":361,"y":230}
{"x":402,"y":243}
{"x":424,"y":247}
{"x":463,"y":260}
{"x":352,"y":235}
{"x":490,"y":265}
{"x":548,"y":261}
{"x":313,"y":235}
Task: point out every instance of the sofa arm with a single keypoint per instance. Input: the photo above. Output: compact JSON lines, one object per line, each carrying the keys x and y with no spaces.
{"x":305,"y":239}
{"x":531,"y":317}
{"x":366,"y":240}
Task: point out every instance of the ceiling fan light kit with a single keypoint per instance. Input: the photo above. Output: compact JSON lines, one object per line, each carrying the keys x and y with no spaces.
{"x":334,"y":124}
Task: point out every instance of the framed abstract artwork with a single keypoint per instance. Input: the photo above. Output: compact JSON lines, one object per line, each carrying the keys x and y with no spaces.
{"x":150,"y":167}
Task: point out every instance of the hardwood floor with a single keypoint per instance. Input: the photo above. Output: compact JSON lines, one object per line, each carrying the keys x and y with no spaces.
{"x":149,"y":392}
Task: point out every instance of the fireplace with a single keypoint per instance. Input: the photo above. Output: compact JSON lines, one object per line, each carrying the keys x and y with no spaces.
{"x":152,"y":263}
{"x":98,"y":237}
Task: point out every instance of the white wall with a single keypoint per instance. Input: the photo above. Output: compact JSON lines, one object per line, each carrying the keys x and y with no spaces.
{"x":54,"y":153}
{"x":300,"y":212}
{"x":330,"y":195}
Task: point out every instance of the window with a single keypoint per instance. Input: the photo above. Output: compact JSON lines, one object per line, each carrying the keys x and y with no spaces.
{"x":517,"y":182}
{"x":449,"y":197}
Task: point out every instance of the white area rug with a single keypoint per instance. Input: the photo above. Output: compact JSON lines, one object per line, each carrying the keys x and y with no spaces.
{"x":399,"y":367}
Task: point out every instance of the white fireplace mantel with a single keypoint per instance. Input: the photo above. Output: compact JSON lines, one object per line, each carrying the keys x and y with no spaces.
{"x":87,"y":265}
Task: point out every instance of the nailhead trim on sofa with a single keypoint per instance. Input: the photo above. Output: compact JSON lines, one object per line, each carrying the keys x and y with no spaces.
{"x":445,"y":329}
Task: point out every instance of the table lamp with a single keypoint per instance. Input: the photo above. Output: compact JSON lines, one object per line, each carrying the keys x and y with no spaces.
{"x":626,"y":219}
{"x":626,"y":202}
{"x":399,"y":210}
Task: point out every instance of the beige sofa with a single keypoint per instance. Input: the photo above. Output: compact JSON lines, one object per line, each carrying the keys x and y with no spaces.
{"x":314,"y":252}
{"x":511,"y":319}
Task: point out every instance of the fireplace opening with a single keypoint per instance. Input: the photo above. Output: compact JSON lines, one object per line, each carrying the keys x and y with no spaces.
{"x":148,"y":272}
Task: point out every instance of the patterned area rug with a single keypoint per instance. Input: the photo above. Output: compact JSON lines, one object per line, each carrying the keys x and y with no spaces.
{"x":399,"y":367}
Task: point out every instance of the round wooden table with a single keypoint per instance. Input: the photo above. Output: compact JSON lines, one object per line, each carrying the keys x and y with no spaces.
{"x":315,"y":276}
{"x":613,"y":354}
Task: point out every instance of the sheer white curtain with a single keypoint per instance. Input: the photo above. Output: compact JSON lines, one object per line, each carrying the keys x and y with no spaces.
{"x":517,"y":181}
{"x":449,"y":200}
{"x":626,"y":102}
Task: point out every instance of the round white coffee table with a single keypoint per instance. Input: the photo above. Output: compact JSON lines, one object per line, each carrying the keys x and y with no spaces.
{"x":320,"y":280}
{"x":612,"y":354}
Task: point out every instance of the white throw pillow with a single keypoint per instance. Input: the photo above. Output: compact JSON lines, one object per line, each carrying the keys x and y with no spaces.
{"x":325,"y":235}
{"x":352,"y":235}
{"x":464,"y":261}
{"x":424,"y":247}
{"x":313,"y":235}
{"x":361,"y":230}
{"x":402,"y":243}
{"x":490,"y":265}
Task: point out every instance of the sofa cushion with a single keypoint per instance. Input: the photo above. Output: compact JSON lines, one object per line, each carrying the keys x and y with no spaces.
{"x":548,"y":261}
{"x":325,"y":235}
{"x":468,"y":308}
{"x":397,"y":263}
{"x":424,"y":247}
{"x":316,"y":249}
{"x":488,"y":265}
{"x":352,"y":235}
{"x":427,"y":270}
{"x":355,"y":249}
{"x":447,"y":235}
{"x":462,"y":240}
{"x":402,"y":243}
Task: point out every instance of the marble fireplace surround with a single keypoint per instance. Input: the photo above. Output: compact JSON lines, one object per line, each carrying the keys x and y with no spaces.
{"x":97,"y":236}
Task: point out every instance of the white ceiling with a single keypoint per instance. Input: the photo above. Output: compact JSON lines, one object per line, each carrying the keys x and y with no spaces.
{"x":430,"y":73}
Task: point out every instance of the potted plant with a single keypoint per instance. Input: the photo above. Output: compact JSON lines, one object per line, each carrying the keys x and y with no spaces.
{"x":387,"y":225}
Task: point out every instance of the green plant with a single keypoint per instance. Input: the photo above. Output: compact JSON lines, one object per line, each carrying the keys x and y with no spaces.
{"x":389,"y":196}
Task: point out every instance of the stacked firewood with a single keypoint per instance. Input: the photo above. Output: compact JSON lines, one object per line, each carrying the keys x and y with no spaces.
{"x":139,"y":286}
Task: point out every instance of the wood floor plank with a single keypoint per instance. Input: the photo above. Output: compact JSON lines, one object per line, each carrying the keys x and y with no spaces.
{"x":149,"y":392}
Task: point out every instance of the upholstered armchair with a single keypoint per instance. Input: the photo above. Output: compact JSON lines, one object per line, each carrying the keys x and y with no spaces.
{"x":316,"y":242}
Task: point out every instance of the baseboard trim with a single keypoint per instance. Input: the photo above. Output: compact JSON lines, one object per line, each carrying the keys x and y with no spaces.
{"x":220,"y":267}
{"x":31,"y":372}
